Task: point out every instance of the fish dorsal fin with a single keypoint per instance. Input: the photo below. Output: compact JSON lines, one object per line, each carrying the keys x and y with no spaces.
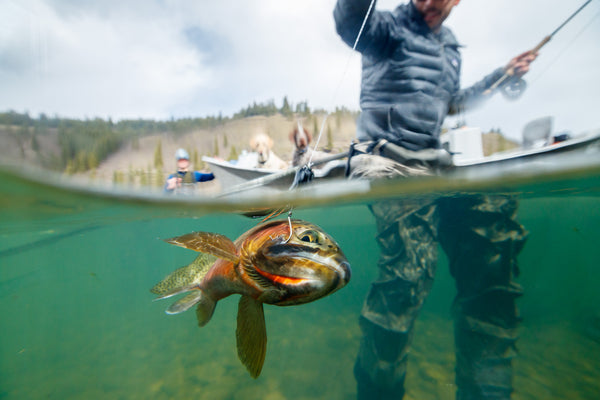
{"x":206,"y":242}
{"x":183,"y":277}
{"x":251,"y":335}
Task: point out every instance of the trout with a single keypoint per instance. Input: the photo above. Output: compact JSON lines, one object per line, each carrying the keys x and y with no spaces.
{"x":285,"y":262}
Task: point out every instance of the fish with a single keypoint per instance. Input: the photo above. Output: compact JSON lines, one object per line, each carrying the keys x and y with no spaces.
{"x":279,"y":262}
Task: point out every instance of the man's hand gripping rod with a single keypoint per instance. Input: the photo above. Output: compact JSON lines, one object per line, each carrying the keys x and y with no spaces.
{"x":511,"y":72}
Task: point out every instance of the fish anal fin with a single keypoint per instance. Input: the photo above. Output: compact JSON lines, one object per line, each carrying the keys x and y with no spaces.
{"x":189,"y":275}
{"x":251,"y":335}
{"x":205,"y":309}
{"x":205,"y":242}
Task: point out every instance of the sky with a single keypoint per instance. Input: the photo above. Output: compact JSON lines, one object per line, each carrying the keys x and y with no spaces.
{"x":162,"y":59}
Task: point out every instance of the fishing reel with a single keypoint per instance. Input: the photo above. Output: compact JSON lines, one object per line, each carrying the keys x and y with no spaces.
{"x":514,"y":89}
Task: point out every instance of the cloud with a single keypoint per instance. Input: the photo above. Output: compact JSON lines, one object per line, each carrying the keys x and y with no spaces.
{"x":164,"y":58}
{"x":93,"y":63}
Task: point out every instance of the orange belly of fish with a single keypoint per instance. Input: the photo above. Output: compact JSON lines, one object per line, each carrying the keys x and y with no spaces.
{"x":285,"y":280}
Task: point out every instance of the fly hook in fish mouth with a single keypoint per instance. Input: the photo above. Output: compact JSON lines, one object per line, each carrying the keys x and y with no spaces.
{"x":290,"y":223}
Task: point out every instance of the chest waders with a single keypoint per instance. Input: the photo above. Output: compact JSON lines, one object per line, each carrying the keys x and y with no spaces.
{"x":482,"y":238}
{"x":187,"y":183}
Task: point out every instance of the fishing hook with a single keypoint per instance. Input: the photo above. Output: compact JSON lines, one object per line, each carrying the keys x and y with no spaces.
{"x":290,"y":223}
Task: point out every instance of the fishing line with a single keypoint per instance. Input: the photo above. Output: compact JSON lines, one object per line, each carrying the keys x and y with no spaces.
{"x":333,"y":99}
{"x":561,"y":53}
{"x":335,"y":93}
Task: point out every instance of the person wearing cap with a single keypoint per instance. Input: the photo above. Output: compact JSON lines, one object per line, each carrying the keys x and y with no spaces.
{"x":410,"y":82}
{"x":183,"y":176}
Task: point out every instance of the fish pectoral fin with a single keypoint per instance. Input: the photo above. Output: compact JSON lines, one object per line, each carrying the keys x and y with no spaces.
{"x":206,"y":242}
{"x":185,"y":303}
{"x":189,"y":275}
{"x":251,"y":335}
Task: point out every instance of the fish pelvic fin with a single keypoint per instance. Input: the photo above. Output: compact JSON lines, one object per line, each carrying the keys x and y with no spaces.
{"x":205,"y":309}
{"x":186,"y":302}
{"x":181,"y":278}
{"x":205,"y":242}
{"x":251,"y":335}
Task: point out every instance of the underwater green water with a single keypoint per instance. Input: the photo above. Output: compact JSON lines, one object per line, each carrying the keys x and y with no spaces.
{"x":78,"y":320}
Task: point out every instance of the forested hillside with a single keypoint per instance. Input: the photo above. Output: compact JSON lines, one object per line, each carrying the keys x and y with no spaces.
{"x":140,"y":152}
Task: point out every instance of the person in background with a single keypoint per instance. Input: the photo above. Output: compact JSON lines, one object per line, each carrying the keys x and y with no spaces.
{"x":410,"y":83}
{"x":183,"y":177}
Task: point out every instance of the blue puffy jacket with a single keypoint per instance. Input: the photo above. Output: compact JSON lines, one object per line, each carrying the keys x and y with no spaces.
{"x":410,"y":75}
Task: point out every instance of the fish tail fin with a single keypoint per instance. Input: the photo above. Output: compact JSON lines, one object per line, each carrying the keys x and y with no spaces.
{"x":205,"y":309}
{"x":251,"y":335}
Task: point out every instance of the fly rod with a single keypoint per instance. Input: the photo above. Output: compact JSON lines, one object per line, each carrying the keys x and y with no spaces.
{"x":511,"y":72}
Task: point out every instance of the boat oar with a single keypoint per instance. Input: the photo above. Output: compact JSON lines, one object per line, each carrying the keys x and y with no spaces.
{"x":511,"y":72}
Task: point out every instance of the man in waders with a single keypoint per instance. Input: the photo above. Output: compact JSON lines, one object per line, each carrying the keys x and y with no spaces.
{"x":183,"y":179}
{"x":410,"y":82}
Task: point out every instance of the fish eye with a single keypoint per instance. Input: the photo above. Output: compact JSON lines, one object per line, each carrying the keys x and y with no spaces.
{"x":309,"y":236}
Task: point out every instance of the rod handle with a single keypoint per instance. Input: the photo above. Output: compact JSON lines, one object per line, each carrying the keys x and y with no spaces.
{"x":541,"y":44}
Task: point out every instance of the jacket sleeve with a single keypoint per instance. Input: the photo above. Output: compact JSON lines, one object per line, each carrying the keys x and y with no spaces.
{"x":201,"y":177}
{"x":349,"y":16}
{"x":473,"y":96}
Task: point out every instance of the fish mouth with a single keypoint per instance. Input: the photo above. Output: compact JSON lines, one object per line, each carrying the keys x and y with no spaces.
{"x":347,"y":272}
{"x":326,"y":276}
{"x":316,"y":271}
{"x":302,"y":270}
{"x":340,"y":268}
{"x":306,"y":261}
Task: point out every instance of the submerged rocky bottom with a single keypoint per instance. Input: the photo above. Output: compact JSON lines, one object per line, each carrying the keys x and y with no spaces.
{"x":556,"y":361}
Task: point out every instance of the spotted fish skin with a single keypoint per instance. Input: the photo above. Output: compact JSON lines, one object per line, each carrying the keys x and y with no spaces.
{"x":185,"y":276}
{"x":278,"y":262}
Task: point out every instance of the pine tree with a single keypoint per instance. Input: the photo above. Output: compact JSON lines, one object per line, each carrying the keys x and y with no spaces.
{"x":233,"y":154}
{"x":135,"y":142}
{"x":144,"y":178}
{"x":158,"y":158}
{"x":92,"y":161}
{"x":118,"y":177}
{"x":216,"y":148}
{"x":329,"y":138}
{"x":195,"y":157}
{"x":81,"y":163}
{"x":35,"y":145}
{"x":69,"y":169}
{"x":286,"y":110}
{"x":130,"y":176}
